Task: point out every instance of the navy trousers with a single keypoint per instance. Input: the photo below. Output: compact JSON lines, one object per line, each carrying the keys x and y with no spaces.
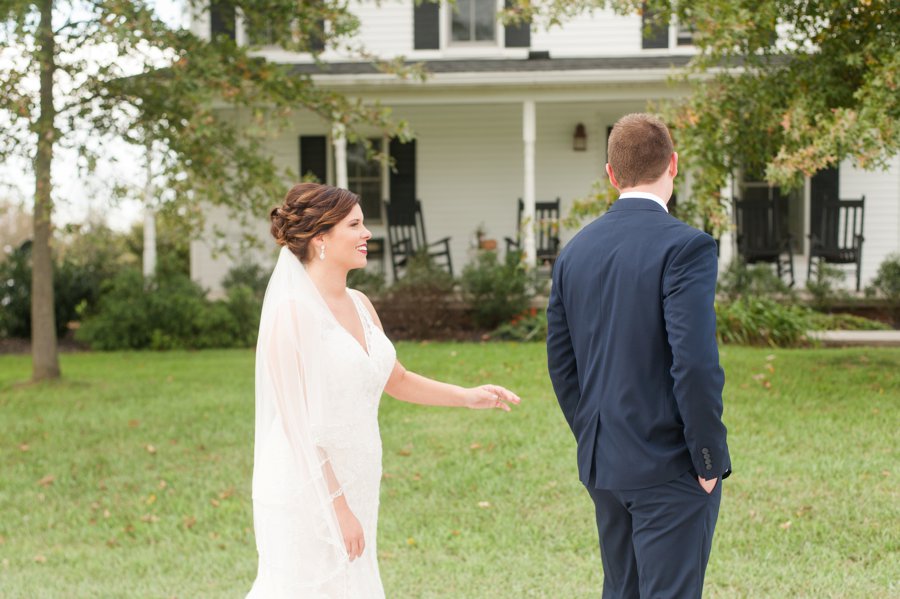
{"x":655,"y":542}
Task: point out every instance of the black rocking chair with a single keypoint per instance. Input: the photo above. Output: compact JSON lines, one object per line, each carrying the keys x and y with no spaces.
{"x":838,"y":236}
{"x":546,"y":238}
{"x":762,"y":237}
{"x":406,"y":237}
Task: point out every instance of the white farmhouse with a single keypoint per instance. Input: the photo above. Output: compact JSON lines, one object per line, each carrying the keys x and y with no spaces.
{"x":511,"y":113}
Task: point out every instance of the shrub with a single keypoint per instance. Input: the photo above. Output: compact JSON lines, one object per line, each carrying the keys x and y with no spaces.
{"x":249,"y":275}
{"x":762,"y":321}
{"x":530,"y":325}
{"x":741,"y":279}
{"x":420,"y":305}
{"x":825,"y":286}
{"x":369,"y":282}
{"x":495,"y":291}
{"x":74,"y":284}
{"x":168,"y":313}
{"x":887,"y":284}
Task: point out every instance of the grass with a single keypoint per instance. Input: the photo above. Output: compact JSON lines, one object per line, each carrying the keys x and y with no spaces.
{"x":150,"y":456}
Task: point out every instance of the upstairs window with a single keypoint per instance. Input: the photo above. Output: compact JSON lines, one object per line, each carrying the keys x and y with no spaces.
{"x":684,"y":36}
{"x":474,"y":21}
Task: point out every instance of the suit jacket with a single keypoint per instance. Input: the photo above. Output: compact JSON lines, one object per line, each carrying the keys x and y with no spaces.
{"x":631,"y":348}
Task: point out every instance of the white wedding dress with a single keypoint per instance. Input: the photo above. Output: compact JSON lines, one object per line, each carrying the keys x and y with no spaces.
{"x":317,"y":396}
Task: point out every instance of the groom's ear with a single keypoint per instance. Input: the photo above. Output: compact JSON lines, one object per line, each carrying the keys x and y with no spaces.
{"x":673,"y":165}
{"x":612,"y":176}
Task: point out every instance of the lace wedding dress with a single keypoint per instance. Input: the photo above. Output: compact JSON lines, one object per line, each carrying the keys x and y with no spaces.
{"x":317,"y":395}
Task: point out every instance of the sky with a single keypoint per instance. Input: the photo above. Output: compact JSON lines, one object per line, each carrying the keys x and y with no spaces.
{"x":78,"y":199}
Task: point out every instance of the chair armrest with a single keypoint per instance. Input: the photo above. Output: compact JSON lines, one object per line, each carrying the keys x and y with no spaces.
{"x":511,"y":244}
{"x":445,"y":241}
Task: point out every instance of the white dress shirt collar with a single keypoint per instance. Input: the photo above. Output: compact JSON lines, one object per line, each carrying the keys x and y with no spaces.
{"x":645,"y":195}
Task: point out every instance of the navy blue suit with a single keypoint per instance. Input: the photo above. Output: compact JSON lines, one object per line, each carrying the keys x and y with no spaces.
{"x":632,"y":354}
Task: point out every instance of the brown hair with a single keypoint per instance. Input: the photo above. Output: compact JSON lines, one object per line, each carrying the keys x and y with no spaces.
{"x":308,"y":210}
{"x":639,"y":149}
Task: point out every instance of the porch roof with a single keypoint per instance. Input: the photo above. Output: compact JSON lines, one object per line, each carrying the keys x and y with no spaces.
{"x":540,"y":70}
{"x":527,"y":65}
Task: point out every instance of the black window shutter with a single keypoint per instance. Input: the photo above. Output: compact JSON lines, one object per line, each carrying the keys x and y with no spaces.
{"x":313,"y":157}
{"x":427,"y":25}
{"x":221,"y":19}
{"x":824,"y":187}
{"x":403,"y":174}
{"x":654,"y":34}
{"x":317,"y":37}
{"x":518,"y":36}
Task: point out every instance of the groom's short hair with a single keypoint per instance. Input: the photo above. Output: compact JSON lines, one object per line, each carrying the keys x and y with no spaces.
{"x":639,"y":149}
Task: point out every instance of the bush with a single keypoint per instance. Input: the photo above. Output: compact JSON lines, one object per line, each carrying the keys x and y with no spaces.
{"x":168,"y":313}
{"x":740,"y":280}
{"x":249,"y":275}
{"x":74,"y":284}
{"x":495,"y":291}
{"x":762,"y":321}
{"x":887,"y":284}
{"x":530,"y":325}
{"x":825,"y":286}
{"x":420,"y":305}
{"x":369,"y":282}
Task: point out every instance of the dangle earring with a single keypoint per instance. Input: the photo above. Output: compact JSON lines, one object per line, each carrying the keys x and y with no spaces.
{"x":322,"y":253}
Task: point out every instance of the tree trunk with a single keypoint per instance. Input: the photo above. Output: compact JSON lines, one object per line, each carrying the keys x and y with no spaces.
{"x":44,"y":351}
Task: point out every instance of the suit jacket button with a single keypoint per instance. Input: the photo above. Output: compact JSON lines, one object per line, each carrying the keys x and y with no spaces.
{"x":704,"y":451}
{"x":709,"y":466}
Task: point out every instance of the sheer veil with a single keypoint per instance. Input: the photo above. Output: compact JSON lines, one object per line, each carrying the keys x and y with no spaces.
{"x":293,"y":483}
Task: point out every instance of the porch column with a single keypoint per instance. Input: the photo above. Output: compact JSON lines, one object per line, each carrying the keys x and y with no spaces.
{"x":339,"y":140}
{"x":727,"y":250}
{"x":528,"y":136}
{"x":149,"y":254}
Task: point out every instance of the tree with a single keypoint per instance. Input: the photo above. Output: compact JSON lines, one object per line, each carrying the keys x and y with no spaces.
{"x":78,"y":73}
{"x":780,"y":87}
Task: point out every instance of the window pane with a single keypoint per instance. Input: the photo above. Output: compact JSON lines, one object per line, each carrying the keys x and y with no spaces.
{"x":364,"y":179}
{"x":462,"y":19}
{"x":485,"y":13}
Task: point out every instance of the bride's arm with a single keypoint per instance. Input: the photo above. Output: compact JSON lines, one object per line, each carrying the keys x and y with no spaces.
{"x":415,"y":388}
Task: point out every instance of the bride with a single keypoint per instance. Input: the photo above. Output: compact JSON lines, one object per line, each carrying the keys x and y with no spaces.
{"x":322,"y":362}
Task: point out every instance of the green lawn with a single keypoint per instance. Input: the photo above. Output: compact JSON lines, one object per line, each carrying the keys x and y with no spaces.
{"x":131,"y":478}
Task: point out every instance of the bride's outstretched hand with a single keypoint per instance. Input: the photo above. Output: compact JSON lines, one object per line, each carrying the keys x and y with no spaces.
{"x":487,"y":397}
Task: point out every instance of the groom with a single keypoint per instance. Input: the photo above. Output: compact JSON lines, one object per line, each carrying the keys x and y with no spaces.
{"x":632,"y":355}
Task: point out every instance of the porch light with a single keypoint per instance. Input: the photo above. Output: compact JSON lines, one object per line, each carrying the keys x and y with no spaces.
{"x":579,"y":140}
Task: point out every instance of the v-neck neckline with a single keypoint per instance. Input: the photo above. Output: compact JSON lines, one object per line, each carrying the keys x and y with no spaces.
{"x":364,"y":346}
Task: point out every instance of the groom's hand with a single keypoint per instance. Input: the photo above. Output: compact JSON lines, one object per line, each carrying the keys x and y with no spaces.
{"x":707,"y":484}
{"x":351,"y":529}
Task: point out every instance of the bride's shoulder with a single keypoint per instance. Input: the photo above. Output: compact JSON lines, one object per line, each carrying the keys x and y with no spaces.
{"x":368,"y":304}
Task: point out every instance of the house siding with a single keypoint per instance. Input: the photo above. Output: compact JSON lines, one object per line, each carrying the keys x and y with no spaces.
{"x":882,"y":216}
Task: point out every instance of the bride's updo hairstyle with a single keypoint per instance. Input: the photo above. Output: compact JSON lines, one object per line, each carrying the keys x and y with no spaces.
{"x":308,"y":210}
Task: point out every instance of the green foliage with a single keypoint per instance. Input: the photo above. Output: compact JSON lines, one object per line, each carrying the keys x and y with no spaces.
{"x":495,"y":290}
{"x":887,"y":284}
{"x":766,"y":106}
{"x":824,"y":287}
{"x":420,"y":305}
{"x":530,"y":325}
{"x":75,"y":283}
{"x":762,"y":321}
{"x":370,"y":282}
{"x":168,"y":313}
{"x":248,"y":275}
{"x":844,"y":322}
{"x":741,"y":279}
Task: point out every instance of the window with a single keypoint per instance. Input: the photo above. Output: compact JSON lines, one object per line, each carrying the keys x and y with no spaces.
{"x":365,"y":178}
{"x":684,"y":36}
{"x":474,"y":21}
{"x":654,"y":33}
